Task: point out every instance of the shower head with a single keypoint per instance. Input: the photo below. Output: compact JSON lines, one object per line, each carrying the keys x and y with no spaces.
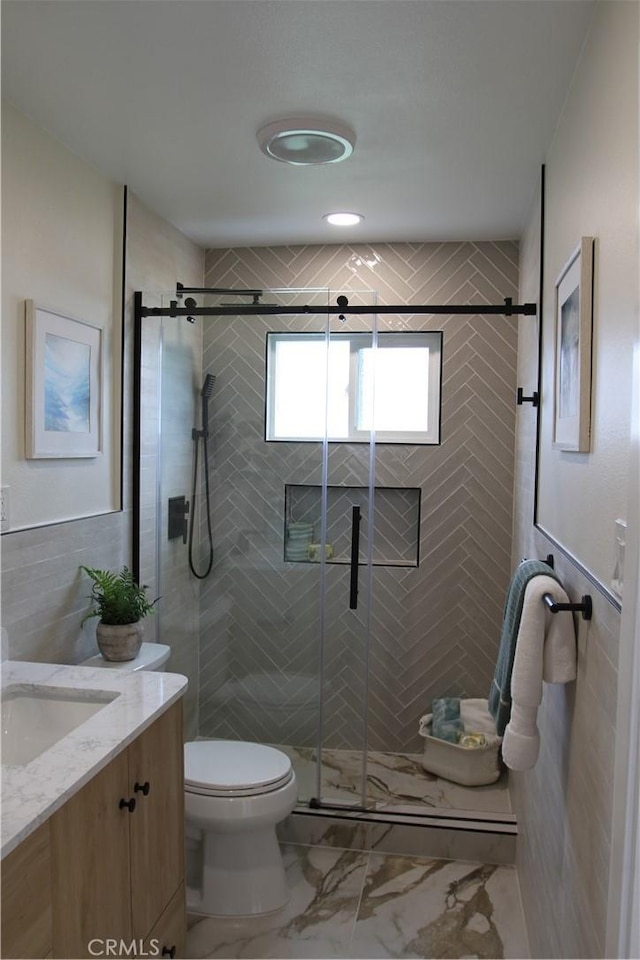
{"x":207,"y":386}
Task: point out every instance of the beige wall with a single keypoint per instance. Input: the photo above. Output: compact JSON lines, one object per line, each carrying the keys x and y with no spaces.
{"x":44,"y":596}
{"x":565,"y":804}
{"x":592,"y":190}
{"x":62,"y":247}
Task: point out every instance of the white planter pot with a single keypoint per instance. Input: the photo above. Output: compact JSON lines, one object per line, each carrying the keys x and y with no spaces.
{"x":119,"y":641}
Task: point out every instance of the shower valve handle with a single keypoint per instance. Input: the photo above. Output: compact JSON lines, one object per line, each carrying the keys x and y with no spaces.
{"x":178,"y":510}
{"x":185,"y":522}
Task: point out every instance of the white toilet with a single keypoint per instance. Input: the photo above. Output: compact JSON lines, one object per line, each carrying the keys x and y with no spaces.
{"x":236,"y":793}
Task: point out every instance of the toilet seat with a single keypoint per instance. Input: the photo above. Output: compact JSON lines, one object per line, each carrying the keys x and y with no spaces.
{"x":231,"y":768}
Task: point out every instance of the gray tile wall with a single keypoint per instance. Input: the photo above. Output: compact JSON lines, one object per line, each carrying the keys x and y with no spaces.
{"x":434,"y":629}
{"x":44,"y":594}
{"x":157,"y":257}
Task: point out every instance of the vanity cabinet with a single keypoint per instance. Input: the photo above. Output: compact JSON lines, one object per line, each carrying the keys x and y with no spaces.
{"x":113,"y":857}
{"x":26,"y":898}
{"x":156,"y":827}
{"x":91,"y":894}
{"x":118,"y":845}
{"x":169,"y":932}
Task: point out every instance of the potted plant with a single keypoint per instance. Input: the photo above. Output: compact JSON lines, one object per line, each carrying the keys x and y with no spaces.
{"x":121,"y":605}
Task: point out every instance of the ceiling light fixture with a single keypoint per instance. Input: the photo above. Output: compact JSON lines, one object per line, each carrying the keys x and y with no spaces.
{"x":343,"y":219}
{"x":304,"y":141}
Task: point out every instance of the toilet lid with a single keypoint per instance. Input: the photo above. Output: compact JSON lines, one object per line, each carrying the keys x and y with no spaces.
{"x":234,"y":768}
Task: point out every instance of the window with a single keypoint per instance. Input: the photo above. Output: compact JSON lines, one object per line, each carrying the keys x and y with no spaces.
{"x":393,"y":388}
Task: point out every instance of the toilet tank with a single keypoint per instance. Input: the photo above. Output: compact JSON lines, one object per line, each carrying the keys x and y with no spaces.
{"x":152,"y":656}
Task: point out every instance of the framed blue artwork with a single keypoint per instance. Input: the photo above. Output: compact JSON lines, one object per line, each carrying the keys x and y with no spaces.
{"x":63,"y":385}
{"x":573,"y":319}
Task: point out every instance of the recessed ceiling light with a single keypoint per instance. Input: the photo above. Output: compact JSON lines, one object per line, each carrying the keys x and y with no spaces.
{"x":343,"y":219}
{"x":304,"y":141}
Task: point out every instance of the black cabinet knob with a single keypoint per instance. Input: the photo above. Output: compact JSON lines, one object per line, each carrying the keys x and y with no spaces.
{"x":169,"y":951}
{"x":142,"y":788}
{"x":129,"y":804}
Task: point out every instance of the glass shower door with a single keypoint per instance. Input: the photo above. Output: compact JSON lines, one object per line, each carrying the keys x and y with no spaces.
{"x":260,"y":606}
{"x":284,"y":615}
{"x":272,"y":640}
{"x":346,"y":554}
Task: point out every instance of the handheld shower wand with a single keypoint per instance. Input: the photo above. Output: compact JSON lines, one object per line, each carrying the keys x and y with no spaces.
{"x":207,"y":390}
{"x":205,"y":396}
{"x":196,"y":435}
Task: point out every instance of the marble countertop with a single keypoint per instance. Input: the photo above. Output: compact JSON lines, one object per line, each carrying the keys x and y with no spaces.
{"x":32,"y":792}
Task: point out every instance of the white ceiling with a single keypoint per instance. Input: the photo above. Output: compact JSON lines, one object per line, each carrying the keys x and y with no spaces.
{"x":453,"y":103}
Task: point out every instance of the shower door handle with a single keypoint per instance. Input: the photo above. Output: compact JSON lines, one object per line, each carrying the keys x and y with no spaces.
{"x":355,"y":554}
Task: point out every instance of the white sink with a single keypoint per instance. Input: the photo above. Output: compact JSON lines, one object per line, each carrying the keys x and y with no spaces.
{"x":35,"y":717}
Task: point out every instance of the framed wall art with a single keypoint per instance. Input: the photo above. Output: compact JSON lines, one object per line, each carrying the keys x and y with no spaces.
{"x":63,"y":385}
{"x":573,"y":338}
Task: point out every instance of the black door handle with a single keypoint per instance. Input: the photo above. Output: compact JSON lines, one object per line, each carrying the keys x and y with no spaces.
{"x":129,"y":804}
{"x":355,"y":553}
{"x":142,"y":788}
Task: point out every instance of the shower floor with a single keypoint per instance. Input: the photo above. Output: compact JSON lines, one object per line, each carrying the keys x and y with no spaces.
{"x":396,"y":782}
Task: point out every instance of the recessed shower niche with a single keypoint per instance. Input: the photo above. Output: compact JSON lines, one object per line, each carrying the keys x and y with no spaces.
{"x":396,"y":524}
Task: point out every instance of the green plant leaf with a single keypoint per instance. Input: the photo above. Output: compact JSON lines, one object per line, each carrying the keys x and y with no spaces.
{"x":117,"y":598}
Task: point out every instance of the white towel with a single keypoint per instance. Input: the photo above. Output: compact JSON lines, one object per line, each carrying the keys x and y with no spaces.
{"x":545,"y":650}
{"x":476,"y":718}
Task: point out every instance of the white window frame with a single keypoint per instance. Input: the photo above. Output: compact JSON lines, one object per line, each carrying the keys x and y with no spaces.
{"x":357,"y":340}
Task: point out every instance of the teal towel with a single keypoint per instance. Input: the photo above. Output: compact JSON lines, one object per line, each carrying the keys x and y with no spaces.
{"x":500,"y":692}
{"x":445,"y":719}
{"x":449,"y":730}
{"x":446,"y":708}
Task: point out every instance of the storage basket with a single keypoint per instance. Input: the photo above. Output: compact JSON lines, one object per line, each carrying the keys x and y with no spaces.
{"x":468,"y":766}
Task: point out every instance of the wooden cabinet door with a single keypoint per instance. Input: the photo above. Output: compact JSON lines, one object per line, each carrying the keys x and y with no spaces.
{"x":168,"y":937}
{"x":156,"y":779}
{"x":91,"y":892}
{"x":26,"y":897}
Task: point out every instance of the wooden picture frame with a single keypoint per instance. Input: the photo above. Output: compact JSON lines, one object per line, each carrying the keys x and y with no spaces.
{"x":63,"y":408}
{"x":573,"y":343}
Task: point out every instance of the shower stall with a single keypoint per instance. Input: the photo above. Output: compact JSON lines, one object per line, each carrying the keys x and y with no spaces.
{"x":314,"y":583}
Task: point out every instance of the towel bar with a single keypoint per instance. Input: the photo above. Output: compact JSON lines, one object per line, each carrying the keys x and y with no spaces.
{"x":548,"y":560}
{"x":585,"y":608}
{"x":534,"y":399}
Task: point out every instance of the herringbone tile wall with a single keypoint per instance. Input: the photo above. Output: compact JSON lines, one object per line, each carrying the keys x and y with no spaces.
{"x":435,"y":628}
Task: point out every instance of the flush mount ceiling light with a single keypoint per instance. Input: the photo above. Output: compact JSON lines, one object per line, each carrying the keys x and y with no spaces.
{"x":303,"y":141}
{"x":343,"y":219}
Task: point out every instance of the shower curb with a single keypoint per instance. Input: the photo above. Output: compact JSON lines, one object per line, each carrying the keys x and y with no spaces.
{"x":448,"y":837}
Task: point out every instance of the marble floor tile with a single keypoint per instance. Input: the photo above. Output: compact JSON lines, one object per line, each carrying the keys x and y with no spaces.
{"x":413,"y":907}
{"x":348,"y":905}
{"x":395,"y":782}
{"x":318,"y":921}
